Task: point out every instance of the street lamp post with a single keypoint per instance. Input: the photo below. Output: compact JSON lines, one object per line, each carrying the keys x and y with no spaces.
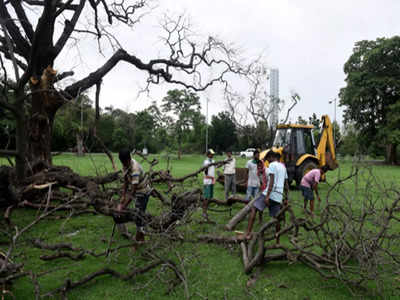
{"x":334,"y":120}
{"x":207,"y":125}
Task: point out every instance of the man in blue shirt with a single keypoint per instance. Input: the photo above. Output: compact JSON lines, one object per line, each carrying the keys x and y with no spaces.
{"x":274,"y":195}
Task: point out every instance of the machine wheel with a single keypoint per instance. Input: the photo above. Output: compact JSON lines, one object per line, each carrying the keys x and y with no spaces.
{"x":304,"y":168}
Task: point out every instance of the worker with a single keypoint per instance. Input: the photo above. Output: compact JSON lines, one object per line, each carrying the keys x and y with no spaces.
{"x":309,"y":183}
{"x":136,"y":186}
{"x":208,"y":181}
{"x":230,"y":175}
{"x":273,"y":196}
{"x":262,"y":172}
{"x":253,"y":181}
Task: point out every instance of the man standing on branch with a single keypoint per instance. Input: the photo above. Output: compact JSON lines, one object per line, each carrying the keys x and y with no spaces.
{"x":253,"y":181}
{"x":230,"y":175}
{"x":309,"y":183}
{"x":136,"y":186}
{"x":208,"y":181}
{"x":275,"y":194}
{"x":262,"y":172}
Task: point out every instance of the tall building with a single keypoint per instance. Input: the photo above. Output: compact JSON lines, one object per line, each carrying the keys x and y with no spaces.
{"x":274,"y":93}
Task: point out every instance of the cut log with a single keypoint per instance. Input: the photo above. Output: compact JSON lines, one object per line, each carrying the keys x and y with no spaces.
{"x":239,"y":216}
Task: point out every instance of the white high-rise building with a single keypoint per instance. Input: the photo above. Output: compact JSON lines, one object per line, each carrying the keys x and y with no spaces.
{"x":274,"y":93}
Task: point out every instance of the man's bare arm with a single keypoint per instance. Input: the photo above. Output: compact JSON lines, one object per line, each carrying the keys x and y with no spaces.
{"x":128,"y":200}
{"x":270,"y":185}
{"x":315,"y":188}
{"x":286,"y":192}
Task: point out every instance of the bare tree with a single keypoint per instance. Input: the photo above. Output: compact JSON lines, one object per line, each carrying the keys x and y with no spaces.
{"x":34,"y":35}
{"x":255,"y":104}
{"x":254,"y":101}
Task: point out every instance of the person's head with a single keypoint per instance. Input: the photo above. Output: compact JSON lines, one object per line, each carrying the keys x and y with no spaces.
{"x":273,"y":156}
{"x":277,"y":156}
{"x":256,"y":154}
{"x":324,"y":169}
{"x":124,"y":156}
{"x":210,"y":153}
{"x":229,"y":153}
{"x":268,"y":156}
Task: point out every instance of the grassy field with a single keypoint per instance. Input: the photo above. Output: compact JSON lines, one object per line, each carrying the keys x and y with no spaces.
{"x":213,"y":271}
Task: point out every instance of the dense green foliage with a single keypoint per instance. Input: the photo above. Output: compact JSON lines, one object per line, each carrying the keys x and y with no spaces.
{"x":182,"y":109}
{"x":176,"y":125}
{"x":223,"y":133}
{"x":372,"y":93}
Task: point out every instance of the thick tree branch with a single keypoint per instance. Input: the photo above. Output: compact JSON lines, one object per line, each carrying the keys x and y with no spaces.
{"x":68,"y":28}
{"x":63,"y":75}
{"x":69,"y":284}
{"x":295,"y":99}
{"x":8,"y":56}
{"x":26,"y":24}
{"x":21,"y":44}
{"x":3,"y":43}
{"x":58,"y":5}
{"x":43,"y":52}
{"x":120,"y":55}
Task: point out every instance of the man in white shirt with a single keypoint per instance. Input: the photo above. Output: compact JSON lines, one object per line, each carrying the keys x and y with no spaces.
{"x":275,"y":194}
{"x":208,"y":181}
{"x":230,"y":175}
{"x":253,"y":181}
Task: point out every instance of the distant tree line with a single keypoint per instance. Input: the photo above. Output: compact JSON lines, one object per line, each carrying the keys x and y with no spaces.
{"x":177,"y":125}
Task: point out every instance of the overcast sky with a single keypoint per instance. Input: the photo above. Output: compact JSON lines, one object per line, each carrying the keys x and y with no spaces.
{"x":308,"y":41}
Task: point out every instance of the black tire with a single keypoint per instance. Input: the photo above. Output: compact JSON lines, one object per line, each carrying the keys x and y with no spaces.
{"x":243,"y":156}
{"x":303,"y":169}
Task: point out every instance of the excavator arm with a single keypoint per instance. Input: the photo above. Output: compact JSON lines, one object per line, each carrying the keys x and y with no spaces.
{"x":327,"y":157}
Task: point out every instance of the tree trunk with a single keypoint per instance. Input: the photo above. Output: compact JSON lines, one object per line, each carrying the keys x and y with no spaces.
{"x":391,"y":150}
{"x":179,"y":147}
{"x":45,"y":103}
{"x":39,"y":142}
{"x":21,"y":145}
{"x":79,"y":144}
{"x":240,"y":215}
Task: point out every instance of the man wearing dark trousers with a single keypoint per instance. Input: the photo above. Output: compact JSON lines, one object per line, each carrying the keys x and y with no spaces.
{"x":136,"y":186}
{"x":274,"y":196}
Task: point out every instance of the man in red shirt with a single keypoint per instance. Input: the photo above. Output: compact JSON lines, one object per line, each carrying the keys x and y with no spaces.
{"x":309,"y":183}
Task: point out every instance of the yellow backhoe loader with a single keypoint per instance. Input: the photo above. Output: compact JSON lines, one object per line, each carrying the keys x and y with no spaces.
{"x":299,"y":153}
{"x":295,"y":143}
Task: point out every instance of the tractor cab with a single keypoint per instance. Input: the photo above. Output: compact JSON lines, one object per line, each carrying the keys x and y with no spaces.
{"x":293,"y":142}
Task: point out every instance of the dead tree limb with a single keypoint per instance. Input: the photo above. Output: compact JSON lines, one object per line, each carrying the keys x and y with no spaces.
{"x":240,"y":215}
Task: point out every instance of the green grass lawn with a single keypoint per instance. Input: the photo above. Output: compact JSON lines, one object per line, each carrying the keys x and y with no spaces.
{"x":212,"y":271}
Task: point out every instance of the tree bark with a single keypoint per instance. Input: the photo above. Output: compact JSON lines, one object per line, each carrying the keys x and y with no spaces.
{"x":240,"y":215}
{"x":79,"y":144}
{"x":45,"y":103}
{"x":21,"y":145}
{"x":391,"y":157}
{"x":39,"y":136}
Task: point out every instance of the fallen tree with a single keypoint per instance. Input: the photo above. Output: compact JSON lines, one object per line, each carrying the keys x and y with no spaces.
{"x":356,"y":245}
